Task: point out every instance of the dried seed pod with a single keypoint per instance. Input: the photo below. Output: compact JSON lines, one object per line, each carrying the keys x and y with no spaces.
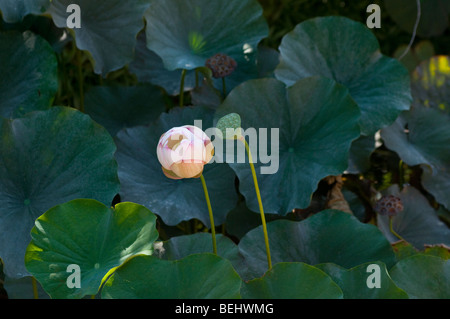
{"x":221,"y":65}
{"x":389,"y":205}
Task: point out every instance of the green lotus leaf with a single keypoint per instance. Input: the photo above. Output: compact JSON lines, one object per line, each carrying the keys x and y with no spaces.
{"x":142,"y":179}
{"x":421,"y":137}
{"x":430,"y":84}
{"x":124,"y":106}
{"x":292,"y":281}
{"x":423,"y":277}
{"x":327,"y":46}
{"x":108,"y":29}
{"x":91,"y":236}
{"x":356,"y":283}
{"x":198,"y":276}
{"x":48,"y":158}
{"x":29,"y":78}
{"x":186,"y":33}
{"x":149,"y":68}
{"x":328,"y":237}
{"x":418,"y":223}
{"x":15,"y":10}
{"x":315,"y":120}
{"x":434,"y":17}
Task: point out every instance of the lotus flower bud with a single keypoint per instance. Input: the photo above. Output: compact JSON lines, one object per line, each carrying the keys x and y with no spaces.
{"x":389,"y":205}
{"x":221,"y":65}
{"x":183,"y":151}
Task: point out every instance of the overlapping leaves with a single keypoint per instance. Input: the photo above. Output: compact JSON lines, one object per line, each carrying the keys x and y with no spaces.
{"x":326,"y":46}
{"x":309,"y":128}
{"x":48,"y":158}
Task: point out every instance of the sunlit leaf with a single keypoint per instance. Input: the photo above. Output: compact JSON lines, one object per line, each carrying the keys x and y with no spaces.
{"x":198,"y":276}
{"x":93,"y":237}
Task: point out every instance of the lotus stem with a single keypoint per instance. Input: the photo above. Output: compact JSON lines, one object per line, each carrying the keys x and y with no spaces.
{"x":183,"y":76}
{"x":224,"y":87}
{"x":211,"y":217}
{"x":261,"y":209}
{"x":391,"y":228}
{"x":35,"y":290}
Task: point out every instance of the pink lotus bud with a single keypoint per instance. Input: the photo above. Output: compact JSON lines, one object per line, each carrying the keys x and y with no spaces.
{"x":183,"y":151}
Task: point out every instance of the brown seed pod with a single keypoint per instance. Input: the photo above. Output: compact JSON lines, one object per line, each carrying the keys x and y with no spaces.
{"x":389,"y":205}
{"x":221,"y":65}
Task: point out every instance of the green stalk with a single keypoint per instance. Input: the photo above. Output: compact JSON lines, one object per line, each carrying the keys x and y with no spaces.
{"x":261,"y":209}
{"x":35,"y":290}
{"x":183,"y":76}
{"x":391,"y":228}
{"x":211,"y":217}
{"x":224,"y":87}
{"x":400,"y":174}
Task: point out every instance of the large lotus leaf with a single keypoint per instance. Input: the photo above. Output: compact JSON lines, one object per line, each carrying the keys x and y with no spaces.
{"x":421,"y":136}
{"x":292,"y":281}
{"x":198,"y":276}
{"x":117,"y":107}
{"x":434,"y":15}
{"x":316,"y":121}
{"x":29,"y":78}
{"x":418,"y":223}
{"x":348,"y":52}
{"x":108,"y":29}
{"x":15,"y":10}
{"x":149,"y":68}
{"x":90,"y":235}
{"x":184,"y":33}
{"x":329,"y":236}
{"x":48,"y":158}
{"x":431,"y":84}
{"x":142,"y":179}
{"x":354,"y":281}
{"x":423,"y":277}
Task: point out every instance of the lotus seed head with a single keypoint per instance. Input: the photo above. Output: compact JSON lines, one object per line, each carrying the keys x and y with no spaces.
{"x":221,"y":65}
{"x":389,"y":205}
